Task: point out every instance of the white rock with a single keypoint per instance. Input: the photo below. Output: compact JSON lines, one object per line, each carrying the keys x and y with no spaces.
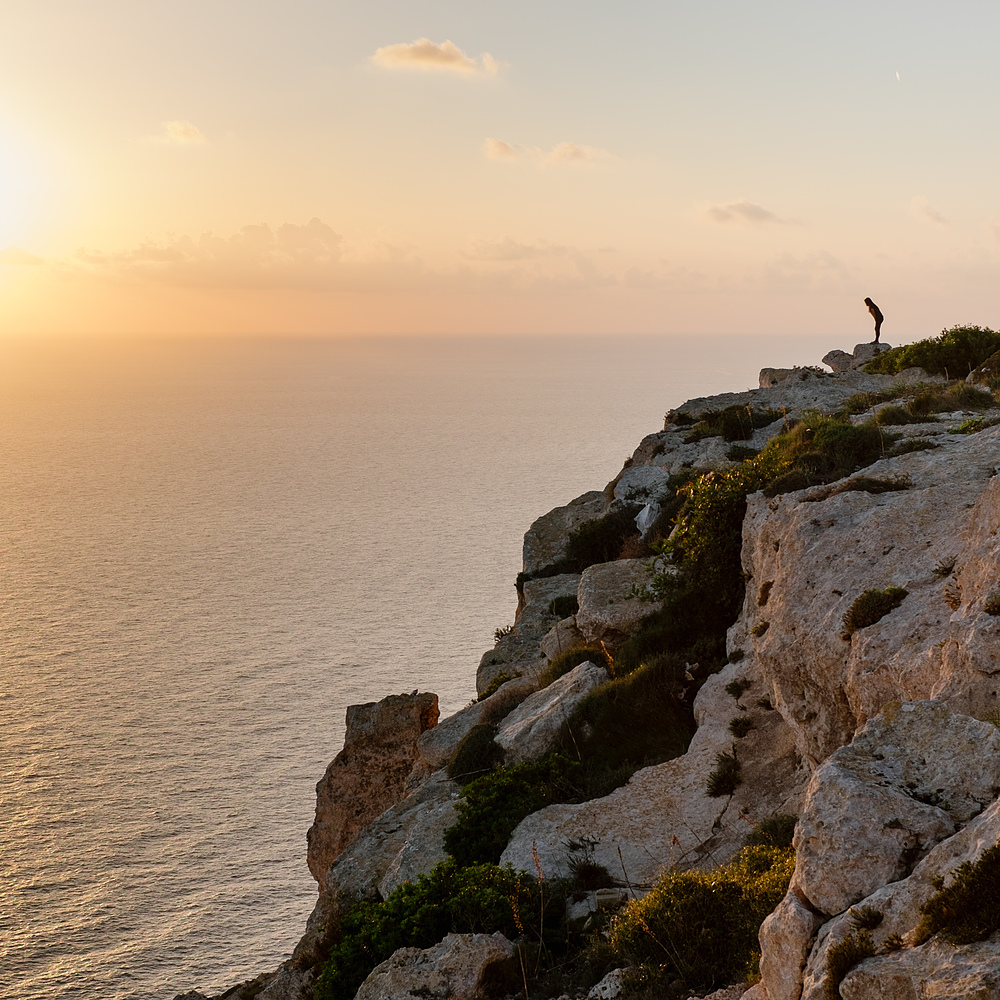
{"x":533,"y":728}
{"x":786,"y":936}
{"x":607,"y":608}
{"x":458,"y":968}
{"x":839,"y":361}
{"x":610,"y":986}
{"x":642,"y":483}
{"x":863,"y":353}
{"x":562,"y":637}
{"x":545,"y":541}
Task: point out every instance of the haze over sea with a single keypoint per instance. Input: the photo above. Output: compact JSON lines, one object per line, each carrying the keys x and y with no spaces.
{"x":209,"y":549}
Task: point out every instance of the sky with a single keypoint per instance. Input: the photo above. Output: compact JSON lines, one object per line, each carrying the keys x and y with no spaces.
{"x":552,"y":166}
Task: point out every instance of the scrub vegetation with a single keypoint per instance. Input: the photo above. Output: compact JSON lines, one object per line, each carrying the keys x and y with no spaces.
{"x":955,"y":353}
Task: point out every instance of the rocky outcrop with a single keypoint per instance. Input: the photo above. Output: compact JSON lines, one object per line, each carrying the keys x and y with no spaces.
{"x":816,"y":556}
{"x":664,"y":816}
{"x":533,"y":728}
{"x":369,"y":774}
{"x":546,"y":540}
{"x":610,"y":606}
{"x":461,"y":967}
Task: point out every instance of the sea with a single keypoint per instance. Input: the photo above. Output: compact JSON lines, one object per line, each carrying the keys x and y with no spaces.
{"x":209,"y":548}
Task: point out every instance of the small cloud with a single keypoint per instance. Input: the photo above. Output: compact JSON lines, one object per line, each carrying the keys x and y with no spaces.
{"x":423,"y":54}
{"x":496,"y":149}
{"x":559,"y":155}
{"x":15,"y":257}
{"x":508,"y":249}
{"x":742,"y":211}
{"x":897,"y":76}
{"x":920,"y":208}
{"x":179,"y":133}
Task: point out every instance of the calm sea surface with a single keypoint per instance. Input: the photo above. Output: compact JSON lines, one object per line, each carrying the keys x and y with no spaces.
{"x":208,"y":550}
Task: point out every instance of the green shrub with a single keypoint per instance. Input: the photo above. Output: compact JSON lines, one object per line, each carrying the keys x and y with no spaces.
{"x":497,"y":683}
{"x":865,"y":918}
{"x":734,"y":423}
{"x":741,"y":725}
{"x":954,"y":353}
{"x":599,"y":540}
{"x":740,"y":452}
{"x":501,"y":706}
{"x":725,"y":778}
{"x":894,"y":415}
{"x":969,"y":909}
{"x":564,"y":606}
{"x":775,"y":831}
{"x":870,"y":607}
{"x":974,"y":425}
{"x":842,"y":957}
{"x":490,"y":807}
{"x":908,"y":445}
{"x":479,"y":899}
{"x":477,"y":754}
{"x":861,"y":402}
{"x":737,"y":687}
{"x":564,"y":662}
{"x":702,"y":926}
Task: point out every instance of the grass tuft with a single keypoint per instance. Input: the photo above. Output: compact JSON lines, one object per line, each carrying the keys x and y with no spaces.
{"x":870,"y":607}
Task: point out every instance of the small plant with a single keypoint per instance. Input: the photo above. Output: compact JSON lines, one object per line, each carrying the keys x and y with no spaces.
{"x":866,"y":918}
{"x":740,"y":452}
{"x":843,"y":956}
{"x":476,"y":755}
{"x":870,"y":607}
{"x":765,"y":703}
{"x":741,"y":725}
{"x":734,"y":423}
{"x":895,"y":415}
{"x":500,"y":707}
{"x":737,"y":687}
{"x":893,"y":942}
{"x":501,"y":633}
{"x":944,"y":568}
{"x":992,"y":603}
{"x":726,"y":777}
{"x":563,"y":663}
{"x":765,"y":593}
{"x":735,"y":656}
{"x":564,"y":606}
{"x":909,"y":445}
{"x":969,"y":909}
{"x":759,"y":629}
{"x":775,"y":831}
{"x":495,"y":685}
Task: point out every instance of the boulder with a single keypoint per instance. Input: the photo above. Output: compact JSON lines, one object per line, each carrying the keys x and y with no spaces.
{"x":786,"y":937}
{"x":369,"y":774}
{"x":863,"y":353}
{"x":882,"y":802}
{"x":608,"y":609}
{"x":545,"y":541}
{"x":642,"y":483}
{"x":610,"y":986}
{"x":839,"y":361}
{"x":562,"y":637}
{"x":461,"y":967}
{"x":533,"y":728}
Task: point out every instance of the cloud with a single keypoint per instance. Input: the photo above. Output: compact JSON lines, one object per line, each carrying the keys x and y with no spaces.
{"x":179,"y":133}
{"x":508,"y":249}
{"x":561,"y":154}
{"x":423,"y":54}
{"x":15,"y":256}
{"x":920,"y":208}
{"x":742,"y":212}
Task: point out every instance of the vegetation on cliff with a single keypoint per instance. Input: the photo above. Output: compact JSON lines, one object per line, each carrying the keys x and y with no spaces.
{"x":955,"y":353}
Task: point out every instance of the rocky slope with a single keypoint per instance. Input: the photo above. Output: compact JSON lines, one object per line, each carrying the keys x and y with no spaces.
{"x":874,"y":738}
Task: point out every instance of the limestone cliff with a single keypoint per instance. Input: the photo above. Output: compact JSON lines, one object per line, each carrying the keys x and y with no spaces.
{"x":873,"y":734}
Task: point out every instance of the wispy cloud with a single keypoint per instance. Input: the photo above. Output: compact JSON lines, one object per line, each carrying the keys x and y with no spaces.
{"x":507,"y":249}
{"x":742,"y":212}
{"x":15,"y":256}
{"x":920,"y":208}
{"x":179,"y":133}
{"x":562,"y":154}
{"x":423,"y":54}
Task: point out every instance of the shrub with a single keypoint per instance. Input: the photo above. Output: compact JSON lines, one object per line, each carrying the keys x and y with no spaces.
{"x":741,"y":725}
{"x":890,"y":415}
{"x":599,"y":540}
{"x":992,"y":604}
{"x":564,"y":606}
{"x":702,"y":926}
{"x":861,"y":402}
{"x":909,"y":445}
{"x":734,"y":423}
{"x":870,"y":607}
{"x":726,"y":777}
{"x":564,"y":662}
{"x":969,"y":909}
{"x":479,"y":899}
{"x":759,"y":629}
{"x":490,"y":807}
{"x":740,"y":452}
{"x":477,"y":754}
{"x":498,"y":709}
{"x":974,"y":426}
{"x":866,"y":918}
{"x":497,"y":683}
{"x":843,"y":956}
{"x":955,"y":352}
{"x":737,"y":687}
{"x":775,"y":831}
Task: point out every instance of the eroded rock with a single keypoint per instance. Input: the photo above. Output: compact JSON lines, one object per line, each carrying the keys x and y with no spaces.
{"x":369,"y":774}
{"x":546,"y":540}
{"x":461,"y":967}
{"x":533,"y":728}
{"x":608,"y":608}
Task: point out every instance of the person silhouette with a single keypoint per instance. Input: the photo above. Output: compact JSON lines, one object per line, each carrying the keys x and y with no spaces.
{"x":876,"y":315}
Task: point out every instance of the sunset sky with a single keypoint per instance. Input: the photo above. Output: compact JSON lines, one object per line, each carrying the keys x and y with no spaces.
{"x":398,"y":166}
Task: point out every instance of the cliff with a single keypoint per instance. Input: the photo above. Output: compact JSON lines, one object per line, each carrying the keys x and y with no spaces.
{"x":786,"y":605}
